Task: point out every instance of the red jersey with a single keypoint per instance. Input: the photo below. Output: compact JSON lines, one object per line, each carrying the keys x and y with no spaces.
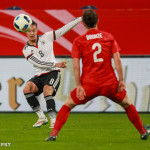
{"x":96,"y":49}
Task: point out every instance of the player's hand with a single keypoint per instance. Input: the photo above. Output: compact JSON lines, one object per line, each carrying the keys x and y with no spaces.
{"x":121,"y":86}
{"x":80,"y":93}
{"x":61,"y":65}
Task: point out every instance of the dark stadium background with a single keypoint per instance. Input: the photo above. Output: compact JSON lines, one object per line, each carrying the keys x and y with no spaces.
{"x":128,"y":21}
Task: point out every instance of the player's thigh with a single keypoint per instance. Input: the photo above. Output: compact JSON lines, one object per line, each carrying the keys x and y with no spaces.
{"x":91,"y":92}
{"x":52,"y":79}
{"x":37,"y":85}
{"x":48,"y":90}
{"x":30,"y":87}
{"x":113,"y":94}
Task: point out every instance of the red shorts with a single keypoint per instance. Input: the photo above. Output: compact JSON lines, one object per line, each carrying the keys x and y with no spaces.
{"x":109,"y":91}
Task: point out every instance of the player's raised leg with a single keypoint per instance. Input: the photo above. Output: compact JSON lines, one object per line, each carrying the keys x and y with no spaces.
{"x":29,"y":90}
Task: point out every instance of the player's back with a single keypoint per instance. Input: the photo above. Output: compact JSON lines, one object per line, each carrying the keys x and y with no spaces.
{"x":96,"y":49}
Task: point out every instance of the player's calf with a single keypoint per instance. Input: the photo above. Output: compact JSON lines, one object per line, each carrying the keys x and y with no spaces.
{"x":50,"y":103}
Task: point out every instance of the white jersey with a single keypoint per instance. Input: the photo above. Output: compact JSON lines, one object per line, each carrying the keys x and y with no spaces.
{"x":42,"y":55}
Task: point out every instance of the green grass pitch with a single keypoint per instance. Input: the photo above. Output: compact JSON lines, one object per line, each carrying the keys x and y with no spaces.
{"x":83,"y":131}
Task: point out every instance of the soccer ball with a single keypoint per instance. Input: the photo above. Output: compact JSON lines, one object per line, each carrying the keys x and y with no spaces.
{"x":22,"y":23}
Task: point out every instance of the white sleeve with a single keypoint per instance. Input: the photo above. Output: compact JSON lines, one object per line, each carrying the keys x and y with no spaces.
{"x":37,"y":62}
{"x":49,"y":35}
{"x":26,"y":51}
{"x":61,"y":31}
{"x":32,"y":58}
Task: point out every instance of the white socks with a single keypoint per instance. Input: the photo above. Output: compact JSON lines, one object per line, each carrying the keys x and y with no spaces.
{"x":40,"y":114}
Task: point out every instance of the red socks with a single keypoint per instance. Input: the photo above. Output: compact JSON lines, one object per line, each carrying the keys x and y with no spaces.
{"x":61,"y":119}
{"x":135,"y":118}
{"x":130,"y":110}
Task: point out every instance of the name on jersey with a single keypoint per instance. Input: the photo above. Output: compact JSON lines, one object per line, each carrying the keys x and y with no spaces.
{"x":94,"y":36}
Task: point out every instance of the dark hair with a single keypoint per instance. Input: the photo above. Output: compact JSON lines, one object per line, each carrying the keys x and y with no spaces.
{"x":34,"y":23}
{"x":90,"y":18}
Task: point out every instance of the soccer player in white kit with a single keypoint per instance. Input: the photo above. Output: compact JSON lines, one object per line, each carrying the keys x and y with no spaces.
{"x":39,"y":51}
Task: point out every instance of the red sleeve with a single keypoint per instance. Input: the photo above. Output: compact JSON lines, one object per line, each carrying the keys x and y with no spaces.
{"x":76,"y":53}
{"x":115,"y":47}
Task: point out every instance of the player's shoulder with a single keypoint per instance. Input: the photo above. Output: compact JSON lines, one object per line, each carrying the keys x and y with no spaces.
{"x":50,"y":33}
{"x":26,"y":47}
{"x":77,"y":38}
{"x":106,"y":35}
{"x":48,"y":36}
{"x":80,"y":38}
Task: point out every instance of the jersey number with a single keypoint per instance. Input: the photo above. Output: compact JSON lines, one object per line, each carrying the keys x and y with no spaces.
{"x":41,"y":53}
{"x":98,"y":45}
{"x":51,"y":81}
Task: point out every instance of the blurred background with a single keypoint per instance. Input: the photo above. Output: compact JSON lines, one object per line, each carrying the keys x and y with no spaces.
{"x":128,"y":21}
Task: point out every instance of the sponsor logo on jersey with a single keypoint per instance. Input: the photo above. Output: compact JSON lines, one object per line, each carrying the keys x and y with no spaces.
{"x":42,"y":42}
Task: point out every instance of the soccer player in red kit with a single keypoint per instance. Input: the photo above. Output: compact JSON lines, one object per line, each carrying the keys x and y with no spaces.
{"x":98,"y":77}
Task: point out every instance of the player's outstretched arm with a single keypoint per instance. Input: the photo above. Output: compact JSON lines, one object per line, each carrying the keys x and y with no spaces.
{"x":119,"y":68}
{"x":61,"y":31}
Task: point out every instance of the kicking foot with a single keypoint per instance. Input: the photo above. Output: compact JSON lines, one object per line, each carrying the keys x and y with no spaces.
{"x":40,"y":122}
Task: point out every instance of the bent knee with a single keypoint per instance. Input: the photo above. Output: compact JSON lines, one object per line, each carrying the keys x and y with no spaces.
{"x":70,"y":103}
{"x":30,"y":88}
{"x":125,"y":105}
{"x":126,"y":102}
